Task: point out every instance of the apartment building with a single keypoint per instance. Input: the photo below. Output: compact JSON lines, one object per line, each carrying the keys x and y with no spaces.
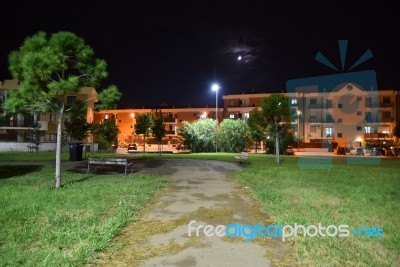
{"x":347,"y":114}
{"x":16,"y":128}
{"x":173,"y":118}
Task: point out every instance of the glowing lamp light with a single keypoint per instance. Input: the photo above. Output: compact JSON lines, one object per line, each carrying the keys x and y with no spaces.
{"x":215,"y":87}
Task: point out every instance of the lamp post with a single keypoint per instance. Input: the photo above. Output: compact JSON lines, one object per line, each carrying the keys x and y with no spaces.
{"x":133,"y":124}
{"x":298,"y":112}
{"x":215,"y":87}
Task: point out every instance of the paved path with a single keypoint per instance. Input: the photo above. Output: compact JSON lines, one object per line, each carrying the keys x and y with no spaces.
{"x":203,"y":191}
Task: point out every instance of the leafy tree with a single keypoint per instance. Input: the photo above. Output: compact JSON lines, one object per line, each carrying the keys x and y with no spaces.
{"x":107,"y":131}
{"x":234,"y":135}
{"x":50,"y":68}
{"x":144,"y":124}
{"x":199,"y":135}
{"x":187,"y":133}
{"x":396,"y":130}
{"x":158,"y":128}
{"x":35,"y":137}
{"x":76,"y":125}
{"x":275,"y":109}
{"x":257,"y":126}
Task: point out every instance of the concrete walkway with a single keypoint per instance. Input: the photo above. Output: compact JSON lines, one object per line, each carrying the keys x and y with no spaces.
{"x":203,"y":191}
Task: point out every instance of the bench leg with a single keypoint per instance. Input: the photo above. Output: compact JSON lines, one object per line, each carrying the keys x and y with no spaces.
{"x":88,"y":168}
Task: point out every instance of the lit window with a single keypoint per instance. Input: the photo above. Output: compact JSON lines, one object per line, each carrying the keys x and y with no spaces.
{"x":232,"y":115}
{"x":106,"y":117}
{"x":367,"y":129}
{"x":329,"y":132}
{"x":294,"y":101}
{"x":246,"y":115}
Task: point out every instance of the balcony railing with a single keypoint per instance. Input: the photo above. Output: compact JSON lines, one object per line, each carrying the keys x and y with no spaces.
{"x":378,"y":136}
{"x":23,"y":124}
{"x":169,"y":119}
{"x":17,"y":123}
{"x":372,"y":105}
{"x":386,"y":105}
{"x":169,"y":132}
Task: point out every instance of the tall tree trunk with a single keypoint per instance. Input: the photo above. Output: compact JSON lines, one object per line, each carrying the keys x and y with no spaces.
{"x":58,"y":150}
{"x":144,"y":143}
{"x":277,"y":147}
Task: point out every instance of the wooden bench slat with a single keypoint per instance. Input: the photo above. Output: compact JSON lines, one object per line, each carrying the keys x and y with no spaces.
{"x":110,"y":161}
{"x":242,"y":155}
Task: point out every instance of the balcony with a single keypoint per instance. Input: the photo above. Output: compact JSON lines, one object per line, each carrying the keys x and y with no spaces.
{"x":170,"y":132}
{"x":377,"y":136}
{"x":387,"y":119}
{"x":15,"y":124}
{"x":328,"y":120}
{"x":315,"y":106}
{"x":372,"y":105}
{"x":386,"y":105}
{"x":169,"y":120}
{"x":314,"y":120}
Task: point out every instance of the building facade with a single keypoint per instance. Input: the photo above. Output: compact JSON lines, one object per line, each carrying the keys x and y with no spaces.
{"x":16,"y":128}
{"x":173,"y":118}
{"x":348,"y":115}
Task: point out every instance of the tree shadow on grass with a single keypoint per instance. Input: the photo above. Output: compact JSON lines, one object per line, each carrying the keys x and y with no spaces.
{"x":70,"y":182}
{"x":8,"y":171}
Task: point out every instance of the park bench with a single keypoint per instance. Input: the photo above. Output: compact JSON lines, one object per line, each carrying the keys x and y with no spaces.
{"x":242,"y":156}
{"x":110,"y":161}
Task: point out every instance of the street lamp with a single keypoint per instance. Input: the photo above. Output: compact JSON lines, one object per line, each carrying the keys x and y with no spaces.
{"x":298,"y":112}
{"x":215,"y":87}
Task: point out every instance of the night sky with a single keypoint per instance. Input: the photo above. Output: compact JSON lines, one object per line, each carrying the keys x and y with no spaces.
{"x":170,"y":52}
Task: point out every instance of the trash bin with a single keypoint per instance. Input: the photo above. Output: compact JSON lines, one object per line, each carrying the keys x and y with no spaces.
{"x":75,"y":152}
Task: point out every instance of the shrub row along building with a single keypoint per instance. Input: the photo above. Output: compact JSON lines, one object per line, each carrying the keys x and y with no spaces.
{"x":348,"y":115}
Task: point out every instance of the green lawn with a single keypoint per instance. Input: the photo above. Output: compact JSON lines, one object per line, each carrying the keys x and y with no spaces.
{"x":41,"y":226}
{"x":33,"y":156}
{"x":356,"y":195}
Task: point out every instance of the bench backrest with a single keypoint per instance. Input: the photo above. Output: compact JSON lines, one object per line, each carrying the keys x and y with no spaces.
{"x":244,"y":154}
{"x":111,"y":161}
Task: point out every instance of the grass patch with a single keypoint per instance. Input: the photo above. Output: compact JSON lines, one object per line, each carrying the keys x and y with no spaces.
{"x":356,"y":195}
{"x":33,"y":156}
{"x":46,"y":227}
